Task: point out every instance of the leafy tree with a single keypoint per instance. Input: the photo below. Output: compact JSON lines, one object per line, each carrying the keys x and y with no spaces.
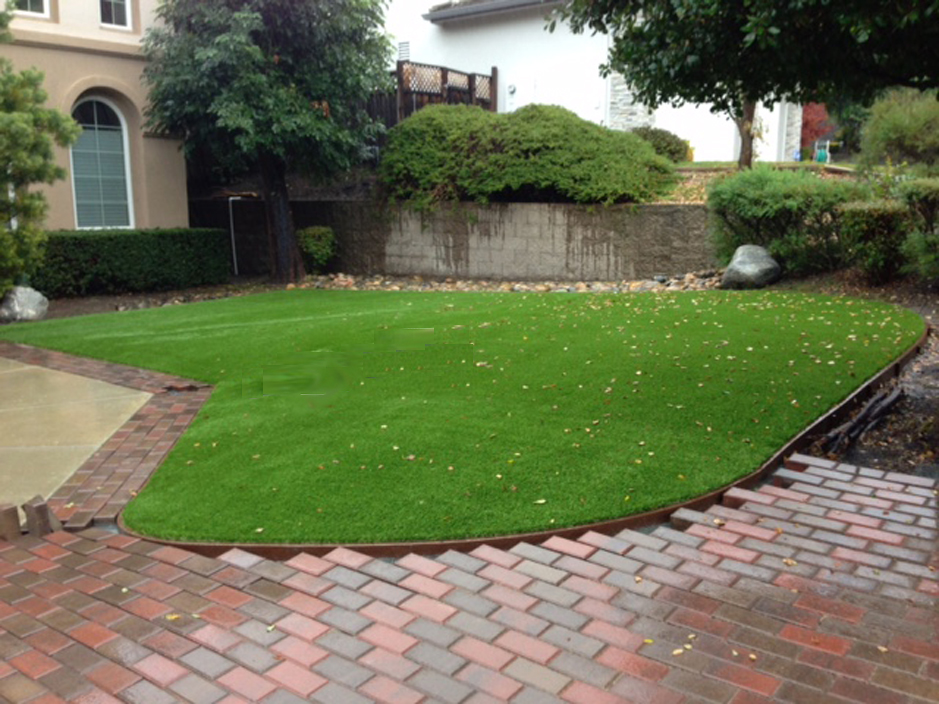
{"x":28,"y":131}
{"x":733,"y":53}
{"x":271,"y":85}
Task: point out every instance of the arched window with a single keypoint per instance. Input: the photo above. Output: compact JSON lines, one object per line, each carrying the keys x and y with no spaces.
{"x":100,"y":175}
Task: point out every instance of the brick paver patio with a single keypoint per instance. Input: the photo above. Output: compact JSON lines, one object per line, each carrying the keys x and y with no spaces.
{"x":820,"y":587}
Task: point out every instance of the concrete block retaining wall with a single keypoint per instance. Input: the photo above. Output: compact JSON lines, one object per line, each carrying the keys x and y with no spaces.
{"x":519,"y":240}
{"x":525,"y":241}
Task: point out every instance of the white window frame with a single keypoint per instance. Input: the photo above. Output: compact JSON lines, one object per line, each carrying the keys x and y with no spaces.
{"x":45,"y":14}
{"x":128,"y":180}
{"x":128,"y":10}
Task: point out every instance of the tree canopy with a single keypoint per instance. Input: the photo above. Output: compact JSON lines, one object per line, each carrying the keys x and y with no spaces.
{"x":28,"y":133}
{"x":271,"y":85}
{"x":733,"y":53}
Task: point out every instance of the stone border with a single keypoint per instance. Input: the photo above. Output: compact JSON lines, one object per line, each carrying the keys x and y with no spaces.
{"x":284,"y":551}
{"x":100,"y":488}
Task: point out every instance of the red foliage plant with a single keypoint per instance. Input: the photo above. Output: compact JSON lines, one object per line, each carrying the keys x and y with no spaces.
{"x":815,"y":124}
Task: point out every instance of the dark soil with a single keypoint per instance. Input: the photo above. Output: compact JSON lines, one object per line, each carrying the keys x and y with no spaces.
{"x":906,"y":441}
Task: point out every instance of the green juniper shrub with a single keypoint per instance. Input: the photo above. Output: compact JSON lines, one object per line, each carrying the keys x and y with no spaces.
{"x":792,"y":213}
{"x":536,"y":154}
{"x":903,"y":127}
{"x":922,"y":197}
{"x":665,"y":143}
{"x":317,"y":246}
{"x":88,"y":262}
{"x":873,"y":233}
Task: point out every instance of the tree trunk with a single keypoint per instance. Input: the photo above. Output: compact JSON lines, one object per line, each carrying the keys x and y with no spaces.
{"x":286,"y":264}
{"x":745,"y":124}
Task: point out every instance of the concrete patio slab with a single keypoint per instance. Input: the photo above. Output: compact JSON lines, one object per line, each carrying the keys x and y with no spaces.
{"x":52,"y":423}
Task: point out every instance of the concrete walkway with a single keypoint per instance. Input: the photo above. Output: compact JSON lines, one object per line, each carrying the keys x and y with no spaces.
{"x":821,"y":588}
{"x":52,"y":423}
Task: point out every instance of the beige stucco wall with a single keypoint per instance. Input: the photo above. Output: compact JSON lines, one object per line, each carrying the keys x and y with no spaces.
{"x":80,"y":58}
{"x":81,"y":19}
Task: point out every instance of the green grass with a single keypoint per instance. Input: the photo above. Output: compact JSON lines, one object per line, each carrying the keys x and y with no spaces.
{"x":528,"y":411}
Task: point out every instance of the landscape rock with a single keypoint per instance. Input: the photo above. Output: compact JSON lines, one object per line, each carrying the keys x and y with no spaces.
{"x":751,"y":267}
{"x":23,"y":303}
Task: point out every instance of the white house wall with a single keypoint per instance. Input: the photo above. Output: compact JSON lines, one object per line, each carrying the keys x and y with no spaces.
{"x":562,"y":68}
{"x":553,"y":69}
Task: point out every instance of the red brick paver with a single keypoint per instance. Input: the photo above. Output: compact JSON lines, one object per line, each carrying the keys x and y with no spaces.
{"x":781,"y":594}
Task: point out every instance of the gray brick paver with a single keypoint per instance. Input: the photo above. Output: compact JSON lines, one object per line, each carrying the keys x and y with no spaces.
{"x":882,"y":595}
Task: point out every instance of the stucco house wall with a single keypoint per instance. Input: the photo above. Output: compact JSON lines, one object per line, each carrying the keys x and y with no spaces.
{"x":83,"y":58}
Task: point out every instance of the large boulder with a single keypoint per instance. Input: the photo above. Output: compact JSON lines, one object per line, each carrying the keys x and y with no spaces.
{"x":751,"y":267}
{"x":23,"y":303}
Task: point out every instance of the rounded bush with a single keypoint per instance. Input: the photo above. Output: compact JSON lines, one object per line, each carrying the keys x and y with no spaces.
{"x":793,"y":214}
{"x":536,"y":154}
{"x":317,"y":247}
{"x":665,"y":143}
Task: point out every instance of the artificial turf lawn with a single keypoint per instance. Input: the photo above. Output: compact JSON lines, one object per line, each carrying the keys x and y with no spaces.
{"x":526,"y":411}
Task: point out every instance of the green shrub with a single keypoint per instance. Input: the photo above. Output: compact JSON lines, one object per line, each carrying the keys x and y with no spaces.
{"x":536,"y":154}
{"x":792,"y":213}
{"x":922,"y":197}
{"x":665,"y":143}
{"x":87,"y":262}
{"x":317,"y":246}
{"x":921,"y":250}
{"x":903,"y":127}
{"x":873,"y":232}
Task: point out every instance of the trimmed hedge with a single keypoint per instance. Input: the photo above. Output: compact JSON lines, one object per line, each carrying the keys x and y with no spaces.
{"x":665,"y":143}
{"x":921,"y":247}
{"x":921,"y":250}
{"x":539,"y":153}
{"x":88,"y":262}
{"x":922,"y":197}
{"x":794,"y":214}
{"x":874,"y":232}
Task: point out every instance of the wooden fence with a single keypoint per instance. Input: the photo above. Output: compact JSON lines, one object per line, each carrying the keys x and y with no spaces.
{"x":420,"y":85}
